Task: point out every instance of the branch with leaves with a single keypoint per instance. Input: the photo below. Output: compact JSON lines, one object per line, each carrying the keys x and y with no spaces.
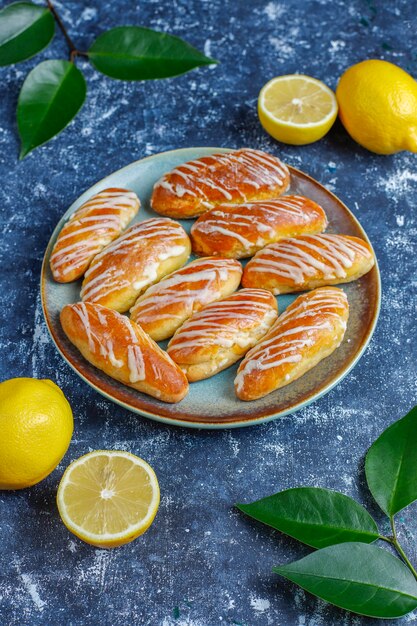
{"x":346,"y":570}
{"x":55,"y":90}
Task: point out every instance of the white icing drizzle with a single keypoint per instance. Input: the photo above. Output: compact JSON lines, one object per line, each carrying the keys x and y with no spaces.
{"x":173,"y":251}
{"x":82,"y":312}
{"x":225,"y":174}
{"x":307,"y":315}
{"x":178,"y":289}
{"x":224,"y":227}
{"x":228,"y":322}
{"x":148,"y":276}
{"x":114,"y":280}
{"x":135,"y":363}
{"x":255,"y":224}
{"x":107,"y":350}
{"x":301,"y":258}
{"x":113,"y":337}
{"x":132,"y":261}
{"x":91,"y":227}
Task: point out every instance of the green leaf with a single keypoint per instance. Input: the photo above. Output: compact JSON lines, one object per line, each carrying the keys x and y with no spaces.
{"x":51,"y":96}
{"x":391,"y":465}
{"x":25,"y":30}
{"x":136,"y":53}
{"x":315,"y":516}
{"x":358,"y":577}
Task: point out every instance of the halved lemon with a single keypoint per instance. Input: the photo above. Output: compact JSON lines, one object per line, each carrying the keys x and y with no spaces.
{"x":108,"y":497}
{"x":296,"y":109}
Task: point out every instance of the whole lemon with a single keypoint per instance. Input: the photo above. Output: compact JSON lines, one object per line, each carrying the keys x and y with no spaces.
{"x":36,"y":426}
{"x":378,"y":106}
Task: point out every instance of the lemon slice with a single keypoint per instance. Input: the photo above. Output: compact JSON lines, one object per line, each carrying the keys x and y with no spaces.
{"x":108,"y":498}
{"x":296,"y":109}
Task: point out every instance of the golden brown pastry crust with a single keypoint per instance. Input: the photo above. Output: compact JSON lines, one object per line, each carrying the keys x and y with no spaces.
{"x":89,"y":229}
{"x":237,"y":232}
{"x":145,"y":253}
{"x":121,"y":349}
{"x":222,"y":332}
{"x":241,"y":176}
{"x":307,"y":262}
{"x":164,"y":307}
{"x":310,"y":329}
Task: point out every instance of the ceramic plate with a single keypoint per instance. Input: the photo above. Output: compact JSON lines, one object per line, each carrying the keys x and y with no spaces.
{"x":212,"y":403}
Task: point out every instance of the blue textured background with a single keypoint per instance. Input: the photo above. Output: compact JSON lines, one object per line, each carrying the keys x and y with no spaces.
{"x":202,"y":563}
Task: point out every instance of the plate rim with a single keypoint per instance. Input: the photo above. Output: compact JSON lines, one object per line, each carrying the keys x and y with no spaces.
{"x":207,"y":425}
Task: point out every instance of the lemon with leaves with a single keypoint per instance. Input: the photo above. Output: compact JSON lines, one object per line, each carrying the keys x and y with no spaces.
{"x":36,"y":426}
{"x":378,"y":106}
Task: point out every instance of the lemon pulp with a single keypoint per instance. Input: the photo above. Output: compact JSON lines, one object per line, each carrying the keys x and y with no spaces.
{"x":108,"y":498}
{"x":296,"y":109}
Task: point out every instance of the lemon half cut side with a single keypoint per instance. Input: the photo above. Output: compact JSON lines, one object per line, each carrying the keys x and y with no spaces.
{"x":297,"y":109}
{"x":108,"y":497}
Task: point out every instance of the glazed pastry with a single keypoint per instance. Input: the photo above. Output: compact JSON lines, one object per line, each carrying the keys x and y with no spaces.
{"x":237,"y":232}
{"x":307,"y":262}
{"x":222,"y":333}
{"x":234,"y":177}
{"x":89,"y":229}
{"x":144,"y":254}
{"x":310,"y":329}
{"x":163,"y":308}
{"x":121,"y":349}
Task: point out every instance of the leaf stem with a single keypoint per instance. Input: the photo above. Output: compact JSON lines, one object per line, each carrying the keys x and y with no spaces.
{"x":77,"y":53}
{"x":387,"y":539}
{"x":71,"y":45}
{"x":399,"y":549}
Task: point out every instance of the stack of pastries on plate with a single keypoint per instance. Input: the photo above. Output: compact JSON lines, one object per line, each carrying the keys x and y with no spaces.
{"x":242,"y":212}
